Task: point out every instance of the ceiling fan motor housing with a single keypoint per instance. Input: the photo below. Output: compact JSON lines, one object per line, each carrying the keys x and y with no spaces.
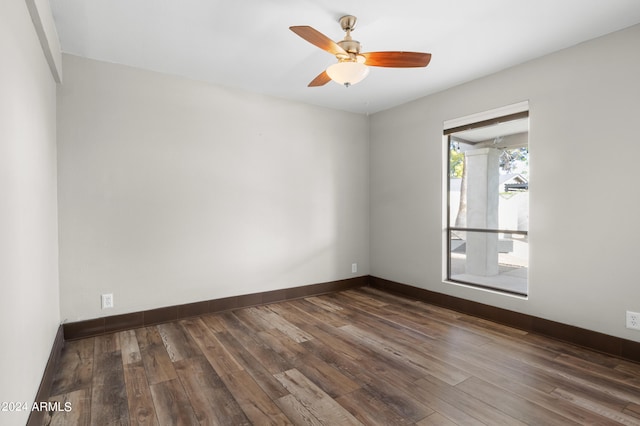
{"x":350,"y":46}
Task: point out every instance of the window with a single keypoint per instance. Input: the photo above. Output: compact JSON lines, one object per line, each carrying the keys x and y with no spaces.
{"x":488,"y":203}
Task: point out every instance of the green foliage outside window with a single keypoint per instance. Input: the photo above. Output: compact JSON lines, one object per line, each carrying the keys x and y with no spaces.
{"x":456,"y":163}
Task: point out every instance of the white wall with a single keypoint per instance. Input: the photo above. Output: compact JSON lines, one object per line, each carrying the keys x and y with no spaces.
{"x":584,"y":231}
{"x":29,"y":311}
{"x":174,"y":191}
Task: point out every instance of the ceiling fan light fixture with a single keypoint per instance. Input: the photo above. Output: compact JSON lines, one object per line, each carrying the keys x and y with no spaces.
{"x":348,"y":73}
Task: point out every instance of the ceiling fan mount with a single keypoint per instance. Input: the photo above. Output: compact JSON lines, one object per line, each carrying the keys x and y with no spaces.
{"x":351,"y":46}
{"x":352,"y":66}
{"x":348,"y":22}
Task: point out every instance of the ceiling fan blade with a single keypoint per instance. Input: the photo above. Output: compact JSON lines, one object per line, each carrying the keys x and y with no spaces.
{"x":322,"y":79}
{"x":316,"y":38}
{"x":397,"y":59}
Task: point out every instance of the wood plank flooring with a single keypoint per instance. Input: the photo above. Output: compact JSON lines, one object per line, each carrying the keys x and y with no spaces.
{"x":355,"y":357}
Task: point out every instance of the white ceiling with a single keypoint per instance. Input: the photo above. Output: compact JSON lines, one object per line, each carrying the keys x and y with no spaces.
{"x":246,"y":44}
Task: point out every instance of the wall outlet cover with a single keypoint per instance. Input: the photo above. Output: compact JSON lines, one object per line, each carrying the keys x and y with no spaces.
{"x":633,"y":320}
{"x":107,"y":300}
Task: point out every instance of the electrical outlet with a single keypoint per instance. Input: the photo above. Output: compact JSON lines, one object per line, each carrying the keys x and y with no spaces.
{"x":633,"y":320}
{"x":107,"y":300}
{"x":354,"y":268}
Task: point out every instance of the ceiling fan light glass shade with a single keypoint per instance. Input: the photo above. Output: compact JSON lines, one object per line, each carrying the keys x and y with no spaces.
{"x":348,"y":73}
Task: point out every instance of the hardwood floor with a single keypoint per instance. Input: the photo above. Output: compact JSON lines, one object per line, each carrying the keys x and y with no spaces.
{"x":356,"y":357}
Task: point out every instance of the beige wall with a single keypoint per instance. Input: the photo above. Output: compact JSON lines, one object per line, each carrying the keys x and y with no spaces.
{"x":173,"y":191}
{"x":29,"y":306}
{"x":584,"y":148}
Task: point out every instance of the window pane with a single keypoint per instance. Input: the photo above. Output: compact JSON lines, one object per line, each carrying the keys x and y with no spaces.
{"x":490,"y":259}
{"x":489,"y":200}
{"x":513,"y":172}
{"x":488,"y":187}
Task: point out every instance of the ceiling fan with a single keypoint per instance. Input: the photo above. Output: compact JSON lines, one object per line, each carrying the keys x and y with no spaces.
{"x":353,"y":66}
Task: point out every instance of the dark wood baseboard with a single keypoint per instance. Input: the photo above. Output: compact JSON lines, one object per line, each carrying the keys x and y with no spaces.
{"x":111,"y":324}
{"x":600,"y":342}
{"x":610,"y":345}
{"x":44,"y":391}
